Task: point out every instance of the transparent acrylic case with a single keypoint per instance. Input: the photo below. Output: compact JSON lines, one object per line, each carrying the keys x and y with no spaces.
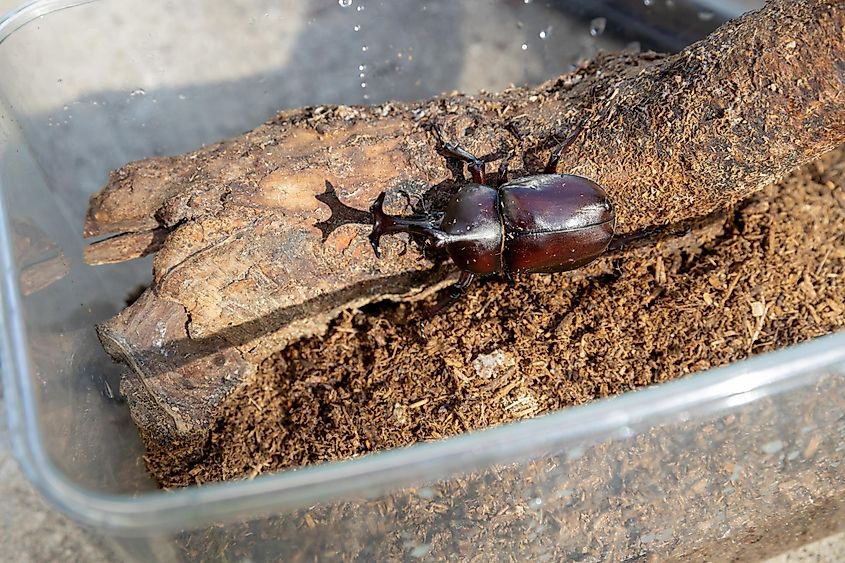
{"x":752,"y":451}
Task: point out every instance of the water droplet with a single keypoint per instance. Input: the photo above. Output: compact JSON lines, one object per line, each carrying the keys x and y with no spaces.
{"x":597,"y":26}
{"x":356,"y":28}
{"x":365,"y":49}
{"x":546,"y":33}
{"x":362,"y":67}
{"x":183,"y":97}
{"x":363,"y":85}
{"x":524,"y":47}
{"x":705,"y":15}
{"x":360,"y":8}
{"x":526,"y":1}
{"x":366,"y":96}
{"x":362,"y":75}
{"x":648,"y":2}
{"x":344,"y":3}
{"x":138,"y":92}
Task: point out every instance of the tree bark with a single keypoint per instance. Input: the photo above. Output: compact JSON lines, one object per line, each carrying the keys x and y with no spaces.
{"x":251,"y":256}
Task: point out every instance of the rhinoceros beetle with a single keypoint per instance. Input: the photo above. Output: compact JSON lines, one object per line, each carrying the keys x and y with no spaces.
{"x":542,"y":223}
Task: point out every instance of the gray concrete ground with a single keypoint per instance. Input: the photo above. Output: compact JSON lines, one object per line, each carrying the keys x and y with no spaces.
{"x":30,"y":530}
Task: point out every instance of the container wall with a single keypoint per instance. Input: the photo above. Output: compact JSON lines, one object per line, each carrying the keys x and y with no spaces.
{"x":699,"y":470}
{"x":745,"y":478}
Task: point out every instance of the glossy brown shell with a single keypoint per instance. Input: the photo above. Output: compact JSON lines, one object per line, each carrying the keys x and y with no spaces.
{"x":543,"y":223}
{"x":554,"y":223}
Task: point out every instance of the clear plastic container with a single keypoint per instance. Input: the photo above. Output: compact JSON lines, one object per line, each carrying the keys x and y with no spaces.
{"x":753,"y":452}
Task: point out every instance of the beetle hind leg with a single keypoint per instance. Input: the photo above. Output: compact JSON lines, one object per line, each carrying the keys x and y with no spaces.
{"x":618,"y":242}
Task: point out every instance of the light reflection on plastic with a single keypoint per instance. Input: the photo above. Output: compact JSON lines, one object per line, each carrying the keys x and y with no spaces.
{"x":740,"y":399}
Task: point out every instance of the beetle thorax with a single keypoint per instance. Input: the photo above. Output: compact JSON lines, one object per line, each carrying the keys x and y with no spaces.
{"x":474,"y":229}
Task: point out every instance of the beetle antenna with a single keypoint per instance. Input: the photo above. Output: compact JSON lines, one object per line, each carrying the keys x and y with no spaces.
{"x":384,"y":224}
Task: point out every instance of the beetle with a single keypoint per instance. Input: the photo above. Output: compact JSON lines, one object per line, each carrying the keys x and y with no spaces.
{"x":542,"y":223}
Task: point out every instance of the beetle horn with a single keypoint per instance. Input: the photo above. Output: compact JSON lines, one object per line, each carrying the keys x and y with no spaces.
{"x":384,"y":224}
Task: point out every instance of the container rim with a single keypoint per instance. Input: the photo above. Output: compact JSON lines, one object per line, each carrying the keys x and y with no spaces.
{"x":29,"y":10}
{"x":170,"y":511}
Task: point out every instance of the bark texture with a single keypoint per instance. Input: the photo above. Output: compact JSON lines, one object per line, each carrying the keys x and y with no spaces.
{"x":253,"y":253}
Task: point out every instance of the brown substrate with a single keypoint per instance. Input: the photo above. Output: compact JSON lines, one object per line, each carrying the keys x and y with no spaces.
{"x":739,"y":485}
{"x":760,"y":277}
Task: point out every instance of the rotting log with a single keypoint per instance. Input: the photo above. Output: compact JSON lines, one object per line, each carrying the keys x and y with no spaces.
{"x":250,"y":256}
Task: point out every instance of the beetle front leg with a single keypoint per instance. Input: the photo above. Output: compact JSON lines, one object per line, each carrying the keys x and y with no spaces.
{"x":551,"y":165}
{"x":457,"y":152}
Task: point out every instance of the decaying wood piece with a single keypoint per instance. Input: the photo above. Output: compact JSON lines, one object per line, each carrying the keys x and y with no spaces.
{"x":254,"y":258}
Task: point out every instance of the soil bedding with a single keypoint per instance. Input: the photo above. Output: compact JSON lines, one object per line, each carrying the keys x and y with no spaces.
{"x":762,"y":276}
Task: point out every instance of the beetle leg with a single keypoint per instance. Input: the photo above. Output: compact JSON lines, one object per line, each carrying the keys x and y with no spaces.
{"x":407,"y":197}
{"x":620,"y":241}
{"x":475,"y":164}
{"x":551,"y":165}
{"x":457,"y":152}
{"x":509,"y":278}
{"x":455,"y":292}
{"x":503,"y":170}
{"x":476,"y":170}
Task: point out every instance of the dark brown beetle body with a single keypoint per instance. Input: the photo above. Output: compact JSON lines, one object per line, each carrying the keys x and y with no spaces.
{"x":542,"y":223}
